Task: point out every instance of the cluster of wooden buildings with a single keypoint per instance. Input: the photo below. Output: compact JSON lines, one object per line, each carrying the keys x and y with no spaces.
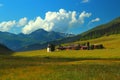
{"x":85,"y":46}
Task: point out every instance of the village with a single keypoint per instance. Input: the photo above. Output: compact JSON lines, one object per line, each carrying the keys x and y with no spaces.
{"x":78,"y":46}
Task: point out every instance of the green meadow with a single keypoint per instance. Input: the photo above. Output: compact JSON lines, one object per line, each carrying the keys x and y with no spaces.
{"x":98,"y":64}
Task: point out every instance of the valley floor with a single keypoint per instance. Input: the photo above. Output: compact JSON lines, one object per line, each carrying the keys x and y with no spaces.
{"x":64,"y":65}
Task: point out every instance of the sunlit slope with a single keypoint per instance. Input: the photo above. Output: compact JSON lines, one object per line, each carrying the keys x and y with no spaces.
{"x":110,"y":28}
{"x":111,"y":44}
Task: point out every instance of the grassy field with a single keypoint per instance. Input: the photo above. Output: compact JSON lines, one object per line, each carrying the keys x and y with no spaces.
{"x":65,"y":65}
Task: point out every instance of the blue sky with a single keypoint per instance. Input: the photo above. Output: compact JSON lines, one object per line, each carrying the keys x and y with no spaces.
{"x":71,"y":16}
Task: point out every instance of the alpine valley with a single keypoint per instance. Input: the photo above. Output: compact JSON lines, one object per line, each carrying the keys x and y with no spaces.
{"x":39,"y":39}
{"x":17,"y":41}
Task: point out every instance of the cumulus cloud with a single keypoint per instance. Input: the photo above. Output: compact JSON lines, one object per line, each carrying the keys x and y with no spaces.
{"x":34,"y":25}
{"x":22,"y":22}
{"x":85,"y":1}
{"x":6,"y":26}
{"x":83,"y":15}
{"x":59,"y":21}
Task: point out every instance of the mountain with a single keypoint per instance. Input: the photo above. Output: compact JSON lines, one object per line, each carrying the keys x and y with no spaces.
{"x":17,"y":41}
{"x":113,"y":27}
{"x":5,"y":50}
{"x":44,"y":36}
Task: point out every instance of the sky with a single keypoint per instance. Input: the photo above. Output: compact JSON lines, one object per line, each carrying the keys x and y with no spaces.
{"x":66,"y":16}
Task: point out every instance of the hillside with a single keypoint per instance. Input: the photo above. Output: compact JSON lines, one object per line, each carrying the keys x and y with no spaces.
{"x":110,"y":28}
{"x":4,"y":50}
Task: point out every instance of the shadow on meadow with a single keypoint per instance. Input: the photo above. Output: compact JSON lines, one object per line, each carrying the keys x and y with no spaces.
{"x":6,"y":53}
{"x":7,"y":62}
{"x":5,"y":50}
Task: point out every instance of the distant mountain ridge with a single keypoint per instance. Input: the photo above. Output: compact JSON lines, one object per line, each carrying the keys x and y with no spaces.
{"x":16,"y":41}
{"x":113,"y":27}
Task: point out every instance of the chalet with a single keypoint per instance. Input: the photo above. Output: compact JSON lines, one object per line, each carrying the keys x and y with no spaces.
{"x":50,"y":47}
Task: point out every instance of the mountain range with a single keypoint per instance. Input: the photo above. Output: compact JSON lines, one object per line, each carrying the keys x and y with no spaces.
{"x":17,"y":41}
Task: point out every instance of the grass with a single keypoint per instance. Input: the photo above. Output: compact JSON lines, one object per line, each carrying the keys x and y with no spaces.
{"x":65,"y":65}
{"x":35,"y":68}
{"x":92,"y":54}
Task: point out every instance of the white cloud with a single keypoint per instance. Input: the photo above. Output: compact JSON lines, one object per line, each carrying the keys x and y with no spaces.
{"x":59,"y":21}
{"x":6,"y":26}
{"x":34,"y":25}
{"x":95,"y":20}
{"x":22,"y":22}
{"x":83,"y":15}
{"x":85,"y":1}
